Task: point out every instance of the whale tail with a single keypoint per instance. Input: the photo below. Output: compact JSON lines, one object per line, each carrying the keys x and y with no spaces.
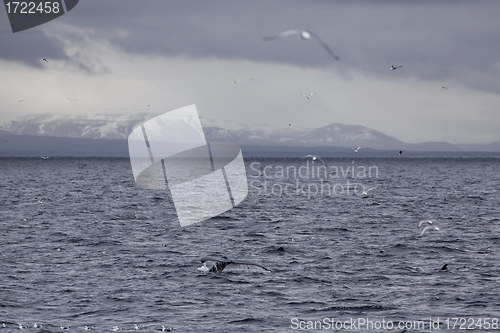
{"x":222,"y":262}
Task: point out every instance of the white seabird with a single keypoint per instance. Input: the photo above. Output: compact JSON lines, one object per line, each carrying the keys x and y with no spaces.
{"x":314,"y":158}
{"x":366,"y":192}
{"x":393,"y":68}
{"x":429,"y":228}
{"x":304,"y":34}
{"x":308,"y":96}
{"x":425,"y":221}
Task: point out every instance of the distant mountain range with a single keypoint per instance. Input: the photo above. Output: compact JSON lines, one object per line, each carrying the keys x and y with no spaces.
{"x":116,"y":126}
{"x":107,"y":134}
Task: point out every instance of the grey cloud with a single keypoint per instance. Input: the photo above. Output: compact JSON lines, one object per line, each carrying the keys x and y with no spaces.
{"x":433,"y":40}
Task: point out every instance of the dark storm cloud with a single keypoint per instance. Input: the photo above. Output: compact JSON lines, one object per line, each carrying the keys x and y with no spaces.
{"x":433,"y":40}
{"x":30,"y":47}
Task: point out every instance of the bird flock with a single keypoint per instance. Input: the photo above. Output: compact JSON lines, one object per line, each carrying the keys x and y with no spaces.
{"x":86,"y":327}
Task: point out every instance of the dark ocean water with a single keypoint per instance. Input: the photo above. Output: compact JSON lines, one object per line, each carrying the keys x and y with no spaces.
{"x":100,"y":251}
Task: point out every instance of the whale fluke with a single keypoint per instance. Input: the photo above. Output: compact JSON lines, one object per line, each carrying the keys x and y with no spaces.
{"x":222,"y":262}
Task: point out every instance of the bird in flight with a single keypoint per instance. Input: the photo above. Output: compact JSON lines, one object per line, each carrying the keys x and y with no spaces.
{"x":237,"y":80}
{"x":445,"y":88}
{"x":21,"y":101}
{"x":40,"y":200}
{"x":429,"y":228}
{"x":356,"y":149}
{"x":400,"y":153}
{"x":308,"y":96}
{"x":316,"y":158}
{"x":393,"y":68}
{"x":424,"y":222}
{"x":304,"y":34}
{"x":366,"y":191}
{"x":45,"y":60}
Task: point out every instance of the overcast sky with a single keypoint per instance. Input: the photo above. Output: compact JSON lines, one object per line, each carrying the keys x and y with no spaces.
{"x":119,"y":56}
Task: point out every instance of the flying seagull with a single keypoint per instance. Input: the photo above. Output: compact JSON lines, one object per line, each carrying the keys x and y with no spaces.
{"x":21,"y":101}
{"x":393,"y":68}
{"x":316,"y":158}
{"x":356,"y":149}
{"x":237,"y":80}
{"x":400,"y":153}
{"x":305,"y":34}
{"x":425,"y":221}
{"x":222,"y":262}
{"x":429,"y":228}
{"x":366,"y":192}
{"x":289,"y":124}
{"x":445,"y":88}
{"x":45,"y":60}
{"x":308,"y":96}
{"x":40,"y":200}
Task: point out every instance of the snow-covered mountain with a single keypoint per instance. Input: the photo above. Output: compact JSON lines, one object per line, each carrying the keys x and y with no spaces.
{"x":119,"y":126}
{"x":116,"y":126}
{"x":337,"y":135}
